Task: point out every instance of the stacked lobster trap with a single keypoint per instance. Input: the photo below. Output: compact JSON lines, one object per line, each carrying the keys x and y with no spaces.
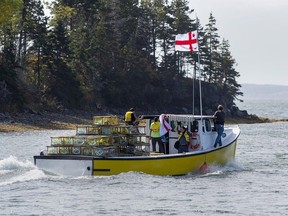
{"x":106,"y":137}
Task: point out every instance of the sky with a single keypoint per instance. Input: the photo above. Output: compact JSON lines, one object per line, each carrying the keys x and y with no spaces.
{"x":257,"y":31}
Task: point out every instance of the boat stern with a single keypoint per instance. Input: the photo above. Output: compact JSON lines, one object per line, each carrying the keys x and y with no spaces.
{"x":65,"y":165}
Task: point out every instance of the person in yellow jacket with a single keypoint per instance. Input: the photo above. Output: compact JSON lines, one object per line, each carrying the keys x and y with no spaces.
{"x":184,"y":139}
{"x":155,"y":135}
{"x":129,"y":117}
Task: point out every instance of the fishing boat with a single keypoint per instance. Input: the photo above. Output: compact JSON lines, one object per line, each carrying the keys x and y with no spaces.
{"x":109,"y":147}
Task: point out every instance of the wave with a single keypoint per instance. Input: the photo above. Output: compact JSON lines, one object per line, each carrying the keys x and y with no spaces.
{"x":215,"y":170}
{"x":13,"y":170}
{"x":12,"y":163}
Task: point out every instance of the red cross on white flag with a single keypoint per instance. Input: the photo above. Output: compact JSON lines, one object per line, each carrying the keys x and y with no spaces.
{"x":186,"y":42}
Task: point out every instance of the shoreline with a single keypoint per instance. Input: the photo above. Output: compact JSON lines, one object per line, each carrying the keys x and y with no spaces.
{"x":68,"y":121}
{"x":44,"y":121}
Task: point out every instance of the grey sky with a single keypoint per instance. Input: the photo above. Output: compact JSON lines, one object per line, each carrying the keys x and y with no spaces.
{"x":258,"y":34}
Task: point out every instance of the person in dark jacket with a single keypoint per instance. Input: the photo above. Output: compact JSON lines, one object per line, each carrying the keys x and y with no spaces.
{"x":219,"y":119}
{"x":183,"y":139}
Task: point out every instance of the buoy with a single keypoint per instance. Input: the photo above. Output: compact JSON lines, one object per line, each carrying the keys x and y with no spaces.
{"x":204,"y":168}
{"x":195,"y":145}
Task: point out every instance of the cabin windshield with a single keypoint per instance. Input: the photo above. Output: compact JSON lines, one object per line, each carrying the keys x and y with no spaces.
{"x":207,"y":125}
{"x":194,"y":126}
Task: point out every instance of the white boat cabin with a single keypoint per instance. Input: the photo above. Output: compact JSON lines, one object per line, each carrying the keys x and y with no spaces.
{"x":201,"y":128}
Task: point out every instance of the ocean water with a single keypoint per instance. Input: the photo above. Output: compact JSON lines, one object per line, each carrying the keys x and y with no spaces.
{"x":267,"y":108}
{"x":256,"y":183}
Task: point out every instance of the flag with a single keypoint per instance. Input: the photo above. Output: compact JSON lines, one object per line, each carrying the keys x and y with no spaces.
{"x":164,"y":125}
{"x":186,"y":42}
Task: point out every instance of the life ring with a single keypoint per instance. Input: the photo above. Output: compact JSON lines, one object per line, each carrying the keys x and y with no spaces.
{"x":195,"y":142}
{"x":194,"y":135}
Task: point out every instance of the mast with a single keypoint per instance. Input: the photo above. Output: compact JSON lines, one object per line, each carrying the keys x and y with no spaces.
{"x":193,"y":84}
{"x":200,"y":87}
{"x":199,"y":75}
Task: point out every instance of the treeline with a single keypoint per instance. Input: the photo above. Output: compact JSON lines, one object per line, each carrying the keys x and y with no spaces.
{"x":90,"y":55}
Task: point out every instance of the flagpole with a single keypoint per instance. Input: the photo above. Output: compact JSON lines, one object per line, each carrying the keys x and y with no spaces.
{"x":193,"y":83}
{"x":200,"y":87}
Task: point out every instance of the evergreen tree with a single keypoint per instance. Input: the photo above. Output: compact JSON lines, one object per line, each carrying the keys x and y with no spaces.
{"x":211,"y":39}
{"x":10,"y":96}
{"x":37,"y":31}
{"x":146,"y":31}
{"x":62,"y":86}
{"x":229,"y":88}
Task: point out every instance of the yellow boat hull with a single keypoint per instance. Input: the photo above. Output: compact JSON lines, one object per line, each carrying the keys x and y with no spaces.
{"x":176,"y":164}
{"x":163,"y":165}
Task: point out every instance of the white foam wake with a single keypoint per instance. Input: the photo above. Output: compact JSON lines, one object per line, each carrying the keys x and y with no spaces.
{"x":12,"y":163}
{"x":12,"y":170}
{"x":220,"y":170}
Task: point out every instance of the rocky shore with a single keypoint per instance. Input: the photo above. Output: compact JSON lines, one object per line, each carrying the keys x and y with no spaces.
{"x":20,"y":122}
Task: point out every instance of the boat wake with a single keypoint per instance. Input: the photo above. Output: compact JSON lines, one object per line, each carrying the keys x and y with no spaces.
{"x":13,"y":170}
{"x":222,"y":170}
{"x":216,"y":171}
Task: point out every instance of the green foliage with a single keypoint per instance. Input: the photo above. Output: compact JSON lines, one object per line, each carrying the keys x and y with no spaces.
{"x":8,"y":10}
{"x":110,"y":53}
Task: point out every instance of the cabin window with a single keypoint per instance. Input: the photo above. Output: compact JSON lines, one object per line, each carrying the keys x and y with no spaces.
{"x":208,"y":125}
{"x":194,"y":126}
{"x":173,"y":125}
